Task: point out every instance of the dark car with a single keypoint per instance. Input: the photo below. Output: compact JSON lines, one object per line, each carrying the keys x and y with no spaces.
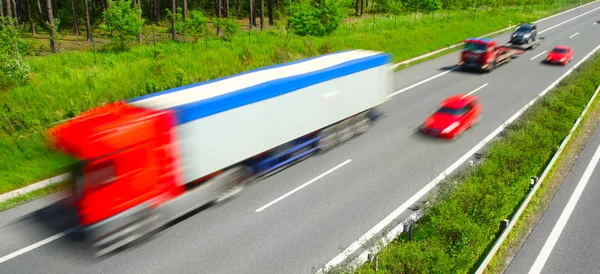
{"x":524,"y":34}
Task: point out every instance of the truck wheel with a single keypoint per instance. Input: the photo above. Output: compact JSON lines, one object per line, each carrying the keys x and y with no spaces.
{"x":345,"y":130}
{"x":361,"y":123}
{"x":328,"y":138}
{"x":232,"y":182}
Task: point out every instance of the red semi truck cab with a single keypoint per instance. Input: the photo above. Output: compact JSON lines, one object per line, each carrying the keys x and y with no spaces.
{"x":126,"y":157}
{"x":478,"y":53}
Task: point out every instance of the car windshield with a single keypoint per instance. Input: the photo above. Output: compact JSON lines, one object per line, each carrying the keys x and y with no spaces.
{"x":559,"y":50}
{"x":453,"y":111}
{"x":474,"y":47}
{"x":523,"y":29}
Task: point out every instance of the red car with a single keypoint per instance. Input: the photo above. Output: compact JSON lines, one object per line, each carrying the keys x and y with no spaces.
{"x":454,"y":115}
{"x":560,"y":55}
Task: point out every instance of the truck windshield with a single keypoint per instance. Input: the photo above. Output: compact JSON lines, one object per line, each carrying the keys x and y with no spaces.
{"x":92,"y":174}
{"x":474,"y":47}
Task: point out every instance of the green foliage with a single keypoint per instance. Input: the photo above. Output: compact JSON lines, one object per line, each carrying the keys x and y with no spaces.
{"x":459,"y":225}
{"x":231,"y":27}
{"x":13,"y":69}
{"x":123,"y":21}
{"x":316,"y":19}
{"x":196,"y":24}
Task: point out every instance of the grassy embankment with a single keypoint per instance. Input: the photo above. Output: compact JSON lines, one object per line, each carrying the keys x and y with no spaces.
{"x":67,"y":83}
{"x":461,"y":223}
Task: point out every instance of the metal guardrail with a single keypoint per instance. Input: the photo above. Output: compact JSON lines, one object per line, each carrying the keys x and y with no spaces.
{"x":535,"y":184}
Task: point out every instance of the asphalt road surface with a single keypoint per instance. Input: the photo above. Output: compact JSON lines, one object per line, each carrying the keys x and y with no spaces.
{"x":376,"y":174}
{"x":565,"y":240}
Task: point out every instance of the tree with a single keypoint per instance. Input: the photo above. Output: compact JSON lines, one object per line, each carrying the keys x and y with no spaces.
{"x":88,"y":26}
{"x":52,"y":27}
{"x":173,"y":19}
{"x":40,"y":14}
{"x":270,"y":8}
{"x":2,"y":15}
{"x":262,"y":14}
{"x":29,"y":16}
{"x":185,"y":9}
{"x":219,"y":28}
{"x":123,"y":21}
{"x":75,"y":23}
{"x":251,"y":14}
{"x":8,"y":13}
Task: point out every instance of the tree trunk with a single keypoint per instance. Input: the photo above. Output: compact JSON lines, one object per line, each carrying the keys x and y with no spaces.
{"x":55,"y":10}
{"x":75,"y":19}
{"x":102,"y":4}
{"x":278,"y":6}
{"x":262,"y":14}
{"x":173,"y":10}
{"x":157,"y":10}
{"x":8,"y":12}
{"x":30,"y":19}
{"x":2,"y":15}
{"x":227,"y":8}
{"x":356,"y":6}
{"x":219,"y":15}
{"x":53,"y":40}
{"x":362,"y":7}
{"x":250,"y":14}
{"x":15,"y":13}
{"x":185,"y":8}
{"x":139,"y":6}
{"x":239,"y":7}
{"x":270,"y":7}
{"x":88,"y":26}
{"x":40,"y":14}
{"x":254,"y":13}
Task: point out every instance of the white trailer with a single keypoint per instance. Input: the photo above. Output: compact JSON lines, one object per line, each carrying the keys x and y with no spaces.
{"x":229,"y":120}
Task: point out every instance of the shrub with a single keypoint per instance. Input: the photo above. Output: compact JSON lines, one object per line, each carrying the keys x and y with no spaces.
{"x":13,"y":70}
{"x":317,"y":19}
{"x":123,"y":21}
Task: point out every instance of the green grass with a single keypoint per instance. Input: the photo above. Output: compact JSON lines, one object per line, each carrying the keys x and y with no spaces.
{"x":36,"y":194}
{"x":67,"y":83}
{"x":460,"y":224}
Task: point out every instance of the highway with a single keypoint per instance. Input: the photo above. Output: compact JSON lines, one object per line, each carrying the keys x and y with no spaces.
{"x":565,"y":240}
{"x":299,"y":219}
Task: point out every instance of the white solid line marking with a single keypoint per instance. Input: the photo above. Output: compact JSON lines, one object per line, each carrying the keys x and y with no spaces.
{"x":564,"y":217}
{"x":392,"y":216}
{"x":573,"y":35}
{"x":419,"y":83}
{"x":36,"y":245}
{"x":302,"y":186}
{"x":568,"y":20}
{"x":474,"y":90}
{"x":538,"y":55}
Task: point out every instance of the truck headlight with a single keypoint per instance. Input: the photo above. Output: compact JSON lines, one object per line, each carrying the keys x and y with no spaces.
{"x":450,"y":127}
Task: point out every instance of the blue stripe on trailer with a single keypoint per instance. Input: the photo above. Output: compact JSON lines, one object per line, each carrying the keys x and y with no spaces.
{"x":227,"y":77}
{"x":196,"y":110}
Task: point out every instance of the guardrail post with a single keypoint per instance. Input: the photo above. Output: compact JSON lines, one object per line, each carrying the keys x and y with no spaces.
{"x":503,"y":225}
{"x":409,"y":227}
{"x":534,"y":181}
